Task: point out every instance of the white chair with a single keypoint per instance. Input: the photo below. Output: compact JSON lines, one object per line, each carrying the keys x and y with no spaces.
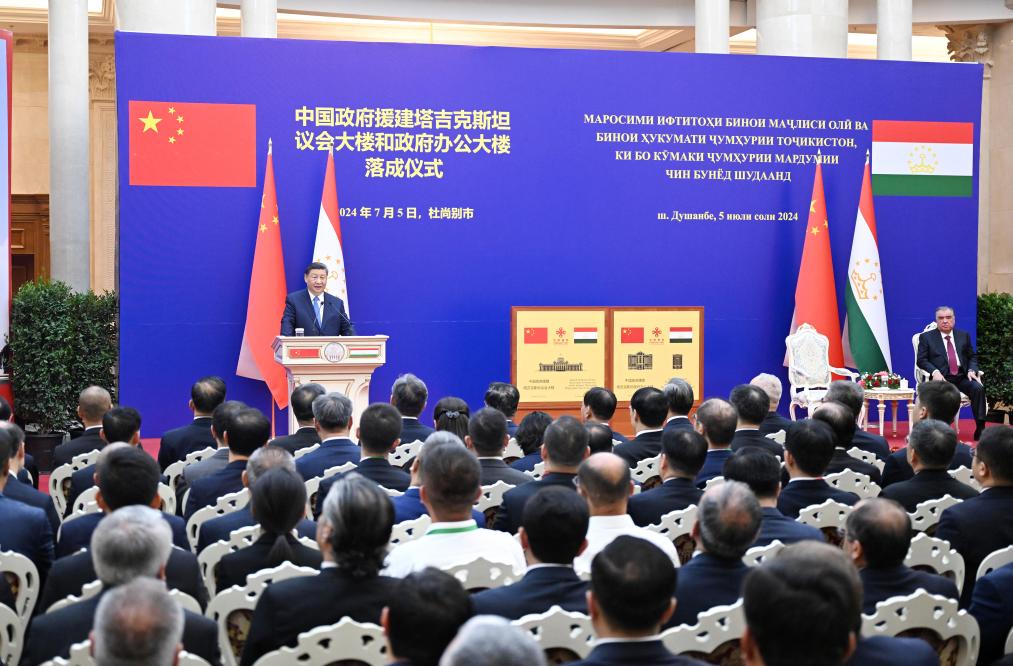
{"x":922,"y":376}
{"x":678,"y":526}
{"x":718,"y":630}
{"x":828,"y":517}
{"x":87,"y":592}
{"x":1009,"y":643}
{"x":225,"y":504}
{"x":391,"y":492}
{"x":12,"y":635}
{"x":994,"y":560}
{"x":558,"y":629}
{"x":347,"y":640}
{"x":313,"y":485}
{"x":809,"y":369}
{"x":23,"y":579}
{"x":757,"y":555}
{"x":537,"y":472}
{"x":966,"y":476}
{"x":87,"y":501}
{"x":957,"y":629}
{"x":513,"y":450}
{"x":778,"y":436}
{"x":492,"y":497}
{"x":648,"y":469}
{"x":937,"y":555}
{"x":926,"y":515}
{"x":304,"y":450}
{"x":174,"y":472}
{"x":713,"y":481}
{"x":866,"y":457}
{"x":405,"y":453}
{"x":409,"y":530}
{"x":233,"y":608}
{"x":59,"y":480}
{"x":615,"y":443}
{"x":482,"y":574}
{"x":80,"y":655}
{"x":208,"y":558}
{"x":851,"y":481}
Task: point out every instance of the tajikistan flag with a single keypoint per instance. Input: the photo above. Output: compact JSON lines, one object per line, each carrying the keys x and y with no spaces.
{"x":327,"y":247}
{"x":866,"y":343}
{"x":922,"y":158}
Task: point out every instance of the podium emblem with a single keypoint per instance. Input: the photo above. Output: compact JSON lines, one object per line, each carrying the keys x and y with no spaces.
{"x":334,"y":352}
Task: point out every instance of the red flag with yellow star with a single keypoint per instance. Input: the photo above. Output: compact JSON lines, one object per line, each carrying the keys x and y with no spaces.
{"x":267,"y":298}
{"x":193,"y":144}
{"x":815,"y":292}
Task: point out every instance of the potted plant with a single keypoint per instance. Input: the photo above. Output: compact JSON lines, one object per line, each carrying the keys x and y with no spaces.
{"x":995,"y":350}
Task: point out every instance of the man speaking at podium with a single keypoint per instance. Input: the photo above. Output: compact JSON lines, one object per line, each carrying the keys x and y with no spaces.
{"x":314,"y":310}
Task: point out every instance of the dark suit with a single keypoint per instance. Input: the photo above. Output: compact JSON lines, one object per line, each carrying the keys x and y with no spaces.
{"x":409,"y":507}
{"x":178,"y":442}
{"x":705,"y":582}
{"x":508,"y":518}
{"x":870,"y":442}
{"x":233,"y":568}
{"x":333,"y":452}
{"x":539,"y":590}
{"x":299,"y":314}
{"x":842,"y":461}
{"x":797,"y":495}
{"x":511,"y":427}
{"x":890,"y":651}
{"x":774,"y":422}
{"x":412,"y":430}
{"x":206,"y":491}
{"x":975,"y":528}
{"x":634,"y":654}
{"x":494,"y":469}
{"x":528,"y":462}
{"x":80,"y":481}
{"x":289,"y":607}
{"x":618,"y":436}
{"x":377,"y":470}
{"x":24,"y":493}
{"x":992,"y":607}
{"x":677,"y":423}
{"x":52,"y":634}
{"x":86,"y":443}
{"x":70,"y":574}
{"x":219,"y":529}
{"x":775,"y":526}
{"x":932,"y":356}
{"x":76,"y":533}
{"x":644,"y":445}
{"x":929,"y":484}
{"x":300,"y":439}
{"x":26,"y":530}
{"x":675,"y":494}
{"x":744,"y":438}
{"x":897,"y":468}
{"x":880,"y":584}
{"x":713,"y":465}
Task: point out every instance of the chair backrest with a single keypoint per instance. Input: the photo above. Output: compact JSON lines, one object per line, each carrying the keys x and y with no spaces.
{"x":919,"y":374}
{"x":348,"y":640}
{"x":757,"y":555}
{"x":558,"y":630}
{"x":12,"y":635}
{"x":808,"y":357}
{"x":966,"y":476}
{"x":59,"y":480}
{"x":233,"y":608}
{"x":87,"y":592}
{"x":851,"y":481}
{"x":23,"y":579}
{"x":186,"y":602}
{"x":952,"y":632}
{"x":208,"y":558}
{"x":1009,"y":643}
{"x":927,"y":552}
{"x":80,"y":655}
{"x":405,"y":453}
{"x":713,"y":481}
{"x":409,"y":530}
{"x":491,"y":498}
{"x":482,"y":574}
{"x":513,"y":451}
{"x":174,"y":472}
{"x":994,"y":560}
{"x":866,"y":457}
{"x":391,"y":492}
{"x":305,"y":450}
{"x":648,"y":472}
{"x":715,"y":638}
{"x":778,"y":436}
{"x":829,"y":517}
{"x":926,"y":515}
{"x":225,"y":504}
{"x":87,"y":501}
{"x":678,"y":526}
{"x":537,"y":471}
{"x":313,"y":485}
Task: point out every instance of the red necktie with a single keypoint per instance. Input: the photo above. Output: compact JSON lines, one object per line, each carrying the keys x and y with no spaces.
{"x":951,"y":354}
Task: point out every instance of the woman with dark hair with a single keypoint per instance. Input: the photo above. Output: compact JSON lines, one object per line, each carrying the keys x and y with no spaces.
{"x":278,"y":503}
{"x":451,"y":414}
{"x":529,"y":437}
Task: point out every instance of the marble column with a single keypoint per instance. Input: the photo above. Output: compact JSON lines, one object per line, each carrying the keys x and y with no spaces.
{"x":177,"y":17}
{"x":893,"y":29}
{"x":712,"y":26}
{"x":802,"y":28}
{"x":68,"y":143}
{"x":260,"y":18}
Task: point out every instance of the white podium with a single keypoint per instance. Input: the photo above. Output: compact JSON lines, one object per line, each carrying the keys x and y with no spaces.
{"x":344,"y":364}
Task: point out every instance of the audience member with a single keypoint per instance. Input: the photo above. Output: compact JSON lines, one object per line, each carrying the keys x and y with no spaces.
{"x":599,"y":437}
{"x":249,"y":430}
{"x":450,"y":487}
{"x":28,"y":471}
{"x":930,"y":450}
{"x":487,"y":437}
{"x":221,"y":418}
{"x":808,"y":449}
{"x":726,"y":527}
{"x":354,"y":529}
{"x":138,"y":624}
{"x":451,"y":414}
{"x":131,"y":543}
{"x":92,"y":405}
{"x":772,"y":422}
{"x":761,"y":471}
{"x":332,"y":417}
{"x":648,"y":409}
{"x":603,"y":480}
{"x":205,"y":394}
{"x":992,"y":607}
{"x":716,"y":420}
{"x":842,"y":423}
{"x":504,"y":397}
{"x":552,"y":534}
{"x":563,"y":449}
{"x":599,"y":407}
{"x":22,"y":491}
{"x":983,"y":524}
{"x":408,"y":395}
{"x":852,"y":395}
{"x":751,"y":405}
{"x":679,"y":394}
{"x":409,"y":506}
{"x":301,"y":404}
{"x":492,"y":641}
{"x":682,"y":455}
{"x":119,"y":424}
{"x":26,"y":529}
{"x":529,"y":436}
{"x":423,"y":616}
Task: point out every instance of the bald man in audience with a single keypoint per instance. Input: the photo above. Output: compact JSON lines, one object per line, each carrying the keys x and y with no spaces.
{"x":92,"y":405}
{"x":771,"y":386}
{"x":930,"y":450}
{"x":716,"y":420}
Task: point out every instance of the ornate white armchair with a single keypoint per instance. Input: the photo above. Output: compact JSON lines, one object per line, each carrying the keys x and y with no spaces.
{"x":313,"y":485}
{"x":225,"y":504}
{"x":928,"y":552}
{"x":409,"y":530}
{"x":23,"y":579}
{"x":715,"y":638}
{"x":809,"y":369}
{"x":678,"y":526}
{"x":926,"y":515}
{"x":866,"y":457}
{"x":559,"y":630}
{"x":12,"y":635}
{"x":405,"y":453}
{"x":851,"y":481}
{"x":828,"y":517}
{"x":994,"y":560}
{"x":757,"y":555}
{"x":59,"y":480}
{"x":174,"y":472}
{"x":648,"y":472}
{"x":356,"y":642}
{"x":482,"y":574}
{"x":953,"y":633}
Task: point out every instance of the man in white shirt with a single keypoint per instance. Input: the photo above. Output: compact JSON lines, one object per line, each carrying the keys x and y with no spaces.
{"x":450,"y":486}
{"x":604,"y":481}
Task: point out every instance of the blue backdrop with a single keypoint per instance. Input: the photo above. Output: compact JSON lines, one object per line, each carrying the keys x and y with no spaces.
{"x":558,"y":220}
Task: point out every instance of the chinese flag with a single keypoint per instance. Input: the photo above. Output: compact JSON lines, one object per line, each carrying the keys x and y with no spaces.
{"x":193,"y":144}
{"x":815,"y":293}
{"x":536,"y":336}
{"x":267,"y":298}
{"x":631,"y":335}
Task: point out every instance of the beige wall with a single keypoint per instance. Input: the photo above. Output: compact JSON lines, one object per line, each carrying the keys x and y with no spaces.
{"x":30,"y":121}
{"x":1000,"y":244}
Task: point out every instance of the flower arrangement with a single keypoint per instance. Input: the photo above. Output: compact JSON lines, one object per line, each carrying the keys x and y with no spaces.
{"x":875,"y":380}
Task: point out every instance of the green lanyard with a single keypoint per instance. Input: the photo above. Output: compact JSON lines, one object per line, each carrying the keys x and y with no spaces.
{"x":453,"y":530}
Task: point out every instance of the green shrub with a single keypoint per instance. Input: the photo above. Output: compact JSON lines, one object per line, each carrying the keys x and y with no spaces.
{"x":995,"y":346}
